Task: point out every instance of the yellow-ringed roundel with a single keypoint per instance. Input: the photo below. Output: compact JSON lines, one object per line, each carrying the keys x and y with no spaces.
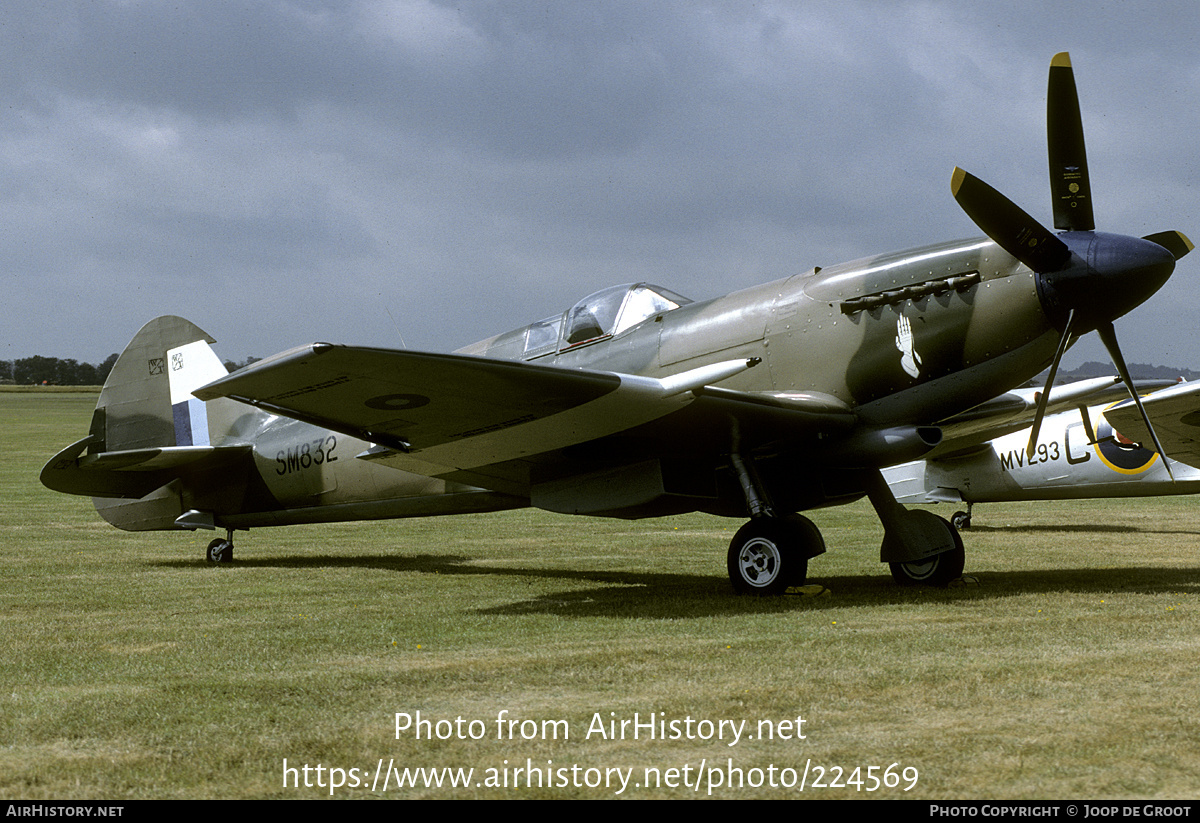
{"x":1120,"y":453}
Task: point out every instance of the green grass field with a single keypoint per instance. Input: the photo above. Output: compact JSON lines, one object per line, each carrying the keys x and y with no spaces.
{"x":132,"y":669}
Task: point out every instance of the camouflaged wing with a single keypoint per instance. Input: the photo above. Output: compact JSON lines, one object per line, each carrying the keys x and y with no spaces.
{"x":440,"y":413}
{"x":1175,"y":415}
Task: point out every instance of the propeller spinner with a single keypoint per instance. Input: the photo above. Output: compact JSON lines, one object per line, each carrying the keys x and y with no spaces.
{"x":1085,"y":279}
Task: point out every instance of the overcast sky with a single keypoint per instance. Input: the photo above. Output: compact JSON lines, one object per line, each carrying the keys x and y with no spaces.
{"x":287,"y":171}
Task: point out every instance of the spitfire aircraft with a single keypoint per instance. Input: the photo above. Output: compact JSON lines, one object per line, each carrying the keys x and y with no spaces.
{"x":1081,"y":452}
{"x":637,"y":402}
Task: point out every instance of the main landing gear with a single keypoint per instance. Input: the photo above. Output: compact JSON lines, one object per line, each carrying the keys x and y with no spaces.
{"x":769,"y":555}
{"x":938,"y":569}
{"x":221,"y":550}
{"x":919,"y":547}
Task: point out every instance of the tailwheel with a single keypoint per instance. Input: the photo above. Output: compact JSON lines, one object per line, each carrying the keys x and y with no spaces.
{"x":936,"y":570}
{"x":769,"y":555}
{"x":962,"y":520}
{"x":220,"y":551}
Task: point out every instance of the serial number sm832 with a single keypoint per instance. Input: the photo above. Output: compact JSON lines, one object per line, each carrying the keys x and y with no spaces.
{"x":306,"y":455}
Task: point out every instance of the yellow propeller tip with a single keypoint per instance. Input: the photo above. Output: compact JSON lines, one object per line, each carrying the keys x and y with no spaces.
{"x":956,"y":180}
{"x":1061,"y":60}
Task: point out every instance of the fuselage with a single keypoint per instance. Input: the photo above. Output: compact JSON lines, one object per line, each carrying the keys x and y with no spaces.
{"x":908,"y":337}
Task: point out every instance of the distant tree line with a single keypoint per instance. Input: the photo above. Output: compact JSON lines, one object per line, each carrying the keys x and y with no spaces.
{"x":53,"y":371}
{"x":234,"y":366}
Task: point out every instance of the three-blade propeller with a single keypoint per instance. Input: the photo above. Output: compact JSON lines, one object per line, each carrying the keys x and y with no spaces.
{"x":1085,"y":279}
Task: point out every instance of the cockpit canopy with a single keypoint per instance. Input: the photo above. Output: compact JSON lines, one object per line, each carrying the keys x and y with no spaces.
{"x":601,"y":315}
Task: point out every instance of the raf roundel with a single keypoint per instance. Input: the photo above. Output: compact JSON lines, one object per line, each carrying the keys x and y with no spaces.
{"x":1121,"y":454}
{"x":397,"y":402}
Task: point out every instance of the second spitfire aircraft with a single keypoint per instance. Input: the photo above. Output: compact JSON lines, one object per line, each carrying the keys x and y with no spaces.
{"x":636,"y":402}
{"x":1096,"y":448}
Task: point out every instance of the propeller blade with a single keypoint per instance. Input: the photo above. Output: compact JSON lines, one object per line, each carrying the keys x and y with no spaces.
{"x":1109,"y":336}
{"x":1084,"y":279}
{"x":1087,"y":425}
{"x":1070,"y":186}
{"x":1176,"y":242}
{"x":1045,"y":395}
{"x":1008,"y":225}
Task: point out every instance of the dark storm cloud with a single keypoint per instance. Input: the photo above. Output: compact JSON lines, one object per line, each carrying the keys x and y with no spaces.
{"x":287,"y":171}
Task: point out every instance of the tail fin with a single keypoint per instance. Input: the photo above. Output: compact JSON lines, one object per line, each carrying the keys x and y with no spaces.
{"x":145,"y":401}
{"x":146,"y":430}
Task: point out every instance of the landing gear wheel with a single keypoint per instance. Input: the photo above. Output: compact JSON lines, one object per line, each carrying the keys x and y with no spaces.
{"x":937,"y":570}
{"x":960,"y":520}
{"x":769,"y":555}
{"x":219,"y":551}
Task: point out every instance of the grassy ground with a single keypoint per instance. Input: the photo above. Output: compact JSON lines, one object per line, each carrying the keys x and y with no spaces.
{"x":129,"y":668}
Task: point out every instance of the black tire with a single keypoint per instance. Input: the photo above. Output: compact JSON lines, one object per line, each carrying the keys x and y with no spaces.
{"x":769,"y":555}
{"x":219,"y":551}
{"x":960,"y":520}
{"x":937,"y":570}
